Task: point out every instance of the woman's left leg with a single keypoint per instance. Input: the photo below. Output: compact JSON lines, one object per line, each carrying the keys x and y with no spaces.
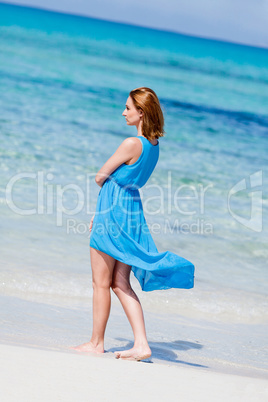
{"x":132,"y":307}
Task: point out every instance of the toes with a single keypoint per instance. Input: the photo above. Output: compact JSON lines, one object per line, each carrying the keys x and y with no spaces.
{"x":128,"y":358}
{"x":125,"y":355}
{"x":136,"y":358}
{"x":131,"y":355}
{"x":76,"y":348}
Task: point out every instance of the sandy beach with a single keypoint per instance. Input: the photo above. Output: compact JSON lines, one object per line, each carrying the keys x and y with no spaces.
{"x":33,"y":374}
{"x":64,"y":84}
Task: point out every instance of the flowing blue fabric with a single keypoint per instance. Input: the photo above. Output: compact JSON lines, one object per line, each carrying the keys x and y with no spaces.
{"x":120,"y":229}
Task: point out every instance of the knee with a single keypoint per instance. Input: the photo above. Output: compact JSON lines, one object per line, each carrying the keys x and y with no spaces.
{"x":115,"y":288}
{"x":118,"y":287}
{"x":105,"y":284}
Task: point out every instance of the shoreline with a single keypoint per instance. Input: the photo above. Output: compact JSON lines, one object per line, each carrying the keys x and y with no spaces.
{"x":224,"y":367}
{"x":37,"y":374}
{"x":181,"y":342}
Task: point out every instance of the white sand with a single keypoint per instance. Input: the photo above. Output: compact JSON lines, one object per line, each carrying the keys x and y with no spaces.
{"x":29,"y":374}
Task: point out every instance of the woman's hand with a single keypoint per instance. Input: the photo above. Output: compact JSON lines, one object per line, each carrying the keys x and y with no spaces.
{"x":91,"y":223}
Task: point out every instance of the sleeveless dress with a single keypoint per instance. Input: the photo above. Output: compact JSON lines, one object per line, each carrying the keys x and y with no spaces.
{"x":120,"y":229}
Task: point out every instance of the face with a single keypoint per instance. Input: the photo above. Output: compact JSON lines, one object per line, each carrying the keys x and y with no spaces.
{"x":132,"y":115}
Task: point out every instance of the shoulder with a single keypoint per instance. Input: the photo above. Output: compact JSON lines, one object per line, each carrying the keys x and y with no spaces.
{"x":132,"y":142}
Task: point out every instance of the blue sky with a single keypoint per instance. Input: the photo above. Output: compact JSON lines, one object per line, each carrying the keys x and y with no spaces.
{"x":242,"y":21}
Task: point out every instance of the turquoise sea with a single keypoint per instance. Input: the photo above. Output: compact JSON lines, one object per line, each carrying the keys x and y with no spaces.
{"x":64,"y":81}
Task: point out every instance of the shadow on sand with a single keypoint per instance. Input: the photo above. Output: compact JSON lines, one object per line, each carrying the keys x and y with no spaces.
{"x":164,"y":351}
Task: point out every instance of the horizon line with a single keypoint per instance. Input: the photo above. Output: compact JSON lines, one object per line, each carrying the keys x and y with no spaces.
{"x":49,"y":10}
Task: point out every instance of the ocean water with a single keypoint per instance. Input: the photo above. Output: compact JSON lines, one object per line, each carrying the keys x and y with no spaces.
{"x":64,"y":81}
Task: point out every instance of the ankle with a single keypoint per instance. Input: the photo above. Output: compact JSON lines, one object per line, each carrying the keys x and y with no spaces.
{"x":97,"y":343}
{"x":141,"y":344}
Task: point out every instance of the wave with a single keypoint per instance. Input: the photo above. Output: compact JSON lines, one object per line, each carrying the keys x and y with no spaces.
{"x":117,"y":95}
{"x":220,"y":304}
{"x":238,"y":116}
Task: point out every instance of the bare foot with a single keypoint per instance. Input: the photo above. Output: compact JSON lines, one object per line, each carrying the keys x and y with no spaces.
{"x":88,"y":348}
{"x":134,"y":354}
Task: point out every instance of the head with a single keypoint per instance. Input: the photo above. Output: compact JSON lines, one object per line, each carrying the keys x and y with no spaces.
{"x":143,"y":107}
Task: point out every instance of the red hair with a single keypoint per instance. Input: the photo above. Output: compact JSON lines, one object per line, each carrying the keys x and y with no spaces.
{"x":145,"y":99}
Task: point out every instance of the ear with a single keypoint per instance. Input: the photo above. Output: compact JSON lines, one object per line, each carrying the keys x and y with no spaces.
{"x":141,"y":113}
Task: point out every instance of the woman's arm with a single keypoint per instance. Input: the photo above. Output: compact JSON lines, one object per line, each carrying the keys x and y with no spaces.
{"x":127,"y":150}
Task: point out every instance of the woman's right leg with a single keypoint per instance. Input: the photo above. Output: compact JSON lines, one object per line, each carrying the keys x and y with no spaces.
{"x":102,"y":266}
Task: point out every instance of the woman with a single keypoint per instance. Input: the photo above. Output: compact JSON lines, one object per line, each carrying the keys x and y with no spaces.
{"x":120,"y":240}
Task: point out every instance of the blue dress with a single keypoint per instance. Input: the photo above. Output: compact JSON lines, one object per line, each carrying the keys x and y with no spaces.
{"x":120,"y":229}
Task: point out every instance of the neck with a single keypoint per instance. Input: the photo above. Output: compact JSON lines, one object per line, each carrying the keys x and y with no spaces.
{"x":139,"y":127}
